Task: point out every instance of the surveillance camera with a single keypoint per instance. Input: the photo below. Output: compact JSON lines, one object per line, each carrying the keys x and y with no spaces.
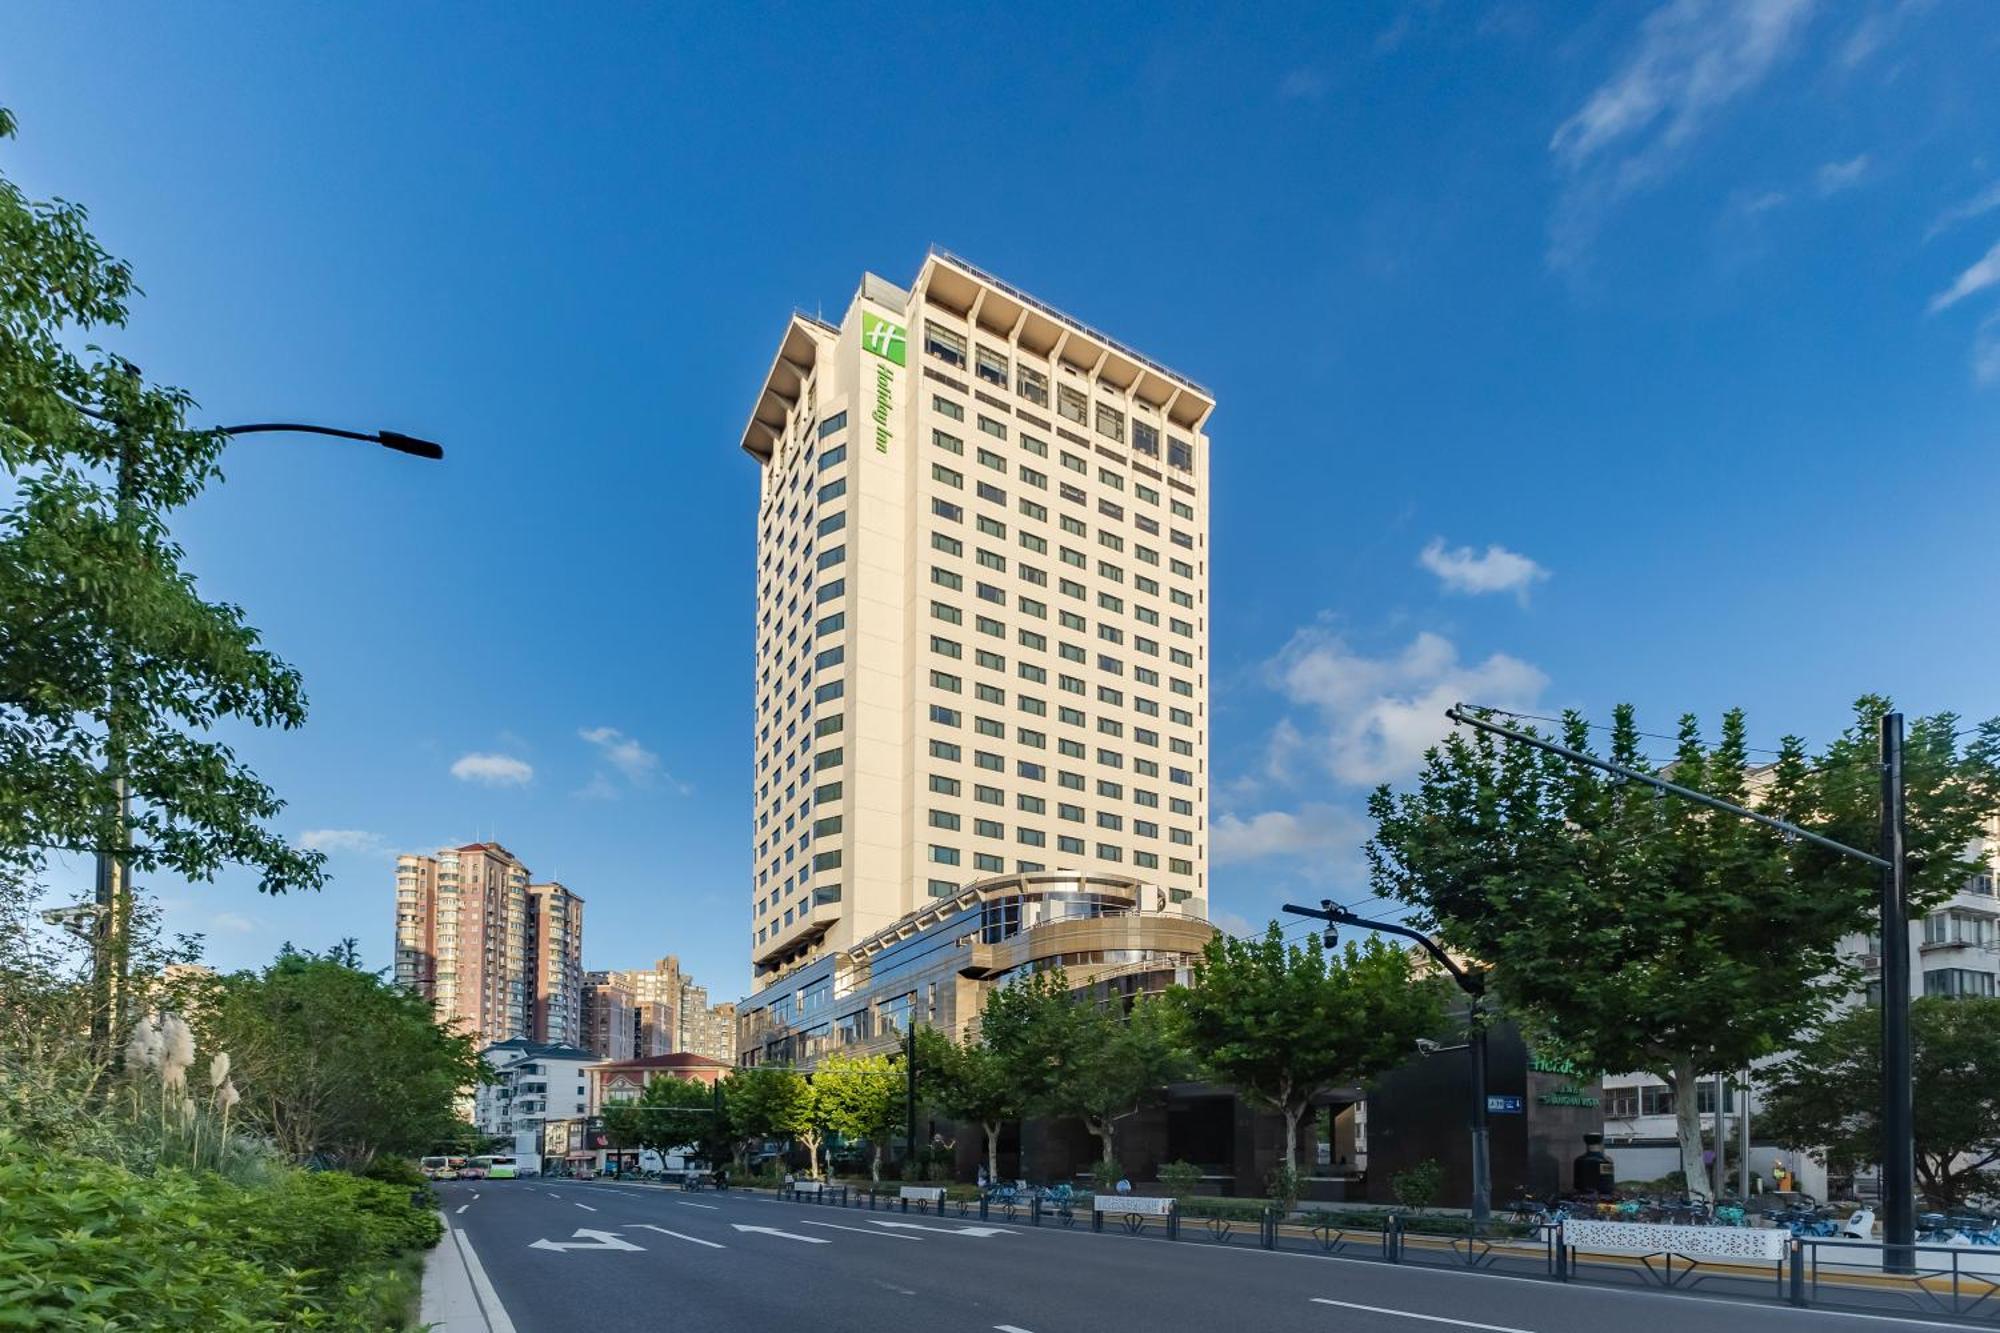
{"x":79,"y":919}
{"x":1425,"y":1046}
{"x":1330,"y":938}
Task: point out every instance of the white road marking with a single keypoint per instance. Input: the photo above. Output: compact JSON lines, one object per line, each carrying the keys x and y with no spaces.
{"x":945,"y":1231}
{"x":475,"y":1194}
{"x":711,"y":1207}
{"x":773,"y":1231}
{"x":462,"y":1207}
{"x":586,"y":1207}
{"x":1010,"y":1328}
{"x":713,"y":1245}
{"x":600,"y":1240}
{"x":862,"y":1231}
{"x":1427,"y":1318}
{"x":482,"y":1288}
{"x":552,"y":1194}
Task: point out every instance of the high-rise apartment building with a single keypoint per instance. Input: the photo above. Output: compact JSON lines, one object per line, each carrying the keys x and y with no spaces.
{"x":609,"y":1015}
{"x":474,"y":940}
{"x":982,"y":611}
{"x":656,"y":1001}
{"x":555,"y":953}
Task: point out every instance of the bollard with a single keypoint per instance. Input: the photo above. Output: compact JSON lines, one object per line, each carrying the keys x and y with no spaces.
{"x":982,"y":1207}
{"x":1392,"y":1238}
{"x":1267,"y":1232}
{"x":1096,"y":1218}
{"x":1173,"y":1224}
{"x":1035,"y":1209}
{"x":906,"y":1205}
{"x":1798,"y":1270}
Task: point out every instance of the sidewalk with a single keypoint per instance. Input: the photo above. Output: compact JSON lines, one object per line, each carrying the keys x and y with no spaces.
{"x":457,"y":1297}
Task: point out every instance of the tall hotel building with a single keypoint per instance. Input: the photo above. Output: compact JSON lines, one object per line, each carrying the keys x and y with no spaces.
{"x":982,"y":609}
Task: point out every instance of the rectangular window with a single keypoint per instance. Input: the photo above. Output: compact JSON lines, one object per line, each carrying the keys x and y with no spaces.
{"x":945,"y":681}
{"x":992,"y":560}
{"x":1071,"y":404}
{"x":944,"y":786}
{"x":988,"y":625}
{"x":1180,"y":454}
{"x":990,"y":459}
{"x":823,"y":795}
{"x":1038,"y":512}
{"x":1146,"y":439}
{"x":1030,"y":837}
{"x":1039,"y":480}
{"x":1110,"y":423}
{"x":833,"y":423}
{"x":951,"y":444}
{"x":829,"y":591}
{"x":991,"y":493}
{"x":1070,"y":846}
{"x":951,"y":615}
{"x":1039,"y":545}
{"x":1029,"y":671}
{"x":945,"y":509}
{"x":946,"y":407}
{"x":1030,"y":805}
{"x":942,"y":888}
{"x":1039,"y":610}
{"x":827,"y":759}
{"x":1039,"y":448}
{"x":946,"y":346}
{"x":833,"y":689}
{"x":988,"y":828}
{"x":831,"y":657}
{"x":949,"y":545}
{"x":1073,"y":781}
{"x":944,"y":717}
{"x":991,"y":661}
{"x":827,"y":860}
{"x":990,"y":366}
{"x":945,"y":578}
{"x":939,"y":472}
{"x":1030,"y":639}
{"x":989,"y":694}
{"x":987,"y":726}
{"x":988,"y":795}
{"x":828,"y":726}
{"x":832,"y":556}
{"x":833,"y":523}
{"x":946,"y":647}
{"x":833,"y":490}
{"x":997,"y":429}
{"x":1032,"y":772}
{"x":1033,"y":386}
{"x":944,"y":819}
{"x":944,"y":856}
{"x":832,"y":624}
{"x":944,"y":750}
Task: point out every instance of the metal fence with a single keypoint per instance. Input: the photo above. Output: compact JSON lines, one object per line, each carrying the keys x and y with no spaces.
{"x":1954,"y":1281}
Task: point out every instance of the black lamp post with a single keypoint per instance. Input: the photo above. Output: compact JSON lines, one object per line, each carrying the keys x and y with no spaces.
{"x":1473,"y":982}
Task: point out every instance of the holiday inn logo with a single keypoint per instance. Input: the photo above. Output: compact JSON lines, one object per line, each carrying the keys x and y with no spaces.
{"x":883,"y":338}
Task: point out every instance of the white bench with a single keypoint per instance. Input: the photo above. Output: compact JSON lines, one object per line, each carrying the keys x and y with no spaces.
{"x":808,"y":1186}
{"x":1767,"y":1245}
{"x":932,"y":1194}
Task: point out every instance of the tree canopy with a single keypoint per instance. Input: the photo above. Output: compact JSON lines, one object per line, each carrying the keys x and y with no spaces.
{"x":968,"y":1081}
{"x":762,"y":1103}
{"x":862,"y":1097}
{"x":110,"y":660}
{"x":671,"y":1115}
{"x":1641,"y":931}
{"x":334,"y":1062}
{"x":1826,"y":1098}
{"x":1285,"y":1023}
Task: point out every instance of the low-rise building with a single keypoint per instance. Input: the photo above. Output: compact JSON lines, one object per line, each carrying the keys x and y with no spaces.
{"x":535,"y":1082}
{"x":616,"y":1081}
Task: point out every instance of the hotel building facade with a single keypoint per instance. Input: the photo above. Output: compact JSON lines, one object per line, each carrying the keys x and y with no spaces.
{"x":982,"y":627}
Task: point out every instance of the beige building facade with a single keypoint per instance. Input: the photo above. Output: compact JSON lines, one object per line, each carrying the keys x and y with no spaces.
{"x":555,"y":953}
{"x":982,"y":615}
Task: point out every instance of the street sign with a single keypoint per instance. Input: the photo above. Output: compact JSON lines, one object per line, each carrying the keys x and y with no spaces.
{"x":1497,"y":1105}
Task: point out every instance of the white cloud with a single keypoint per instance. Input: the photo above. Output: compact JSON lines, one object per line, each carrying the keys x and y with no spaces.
{"x":1497,"y":570}
{"x":493,"y":770}
{"x":625,"y":753}
{"x":1763,"y":203}
{"x":1978,"y":205}
{"x":1313,"y":830}
{"x":1377,"y":715}
{"x":1986,"y":351}
{"x":1694,"y":58}
{"x":599,"y":788}
{"x":338,"y":840}
{"x":1303,"y":85}
{"x":1833,"y":177}
{"x":233,"y":922}
{"x":1975,"y":279}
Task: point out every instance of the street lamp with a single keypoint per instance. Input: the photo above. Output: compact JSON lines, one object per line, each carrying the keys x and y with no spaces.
{"x":111,"y":956}
{"x":1473,"y":982}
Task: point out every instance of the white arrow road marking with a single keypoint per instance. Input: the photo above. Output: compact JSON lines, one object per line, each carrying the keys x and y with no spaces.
{"x":1411,"y":1314}
{"x":945,"y":1231}
{"x":711,"y":1207}
{"x":773,"y":1231}
{"x":678,"y":1236}
{"x":586,"y":1207}
{"x":863,"y":1231}
{"x":601,"y":1240}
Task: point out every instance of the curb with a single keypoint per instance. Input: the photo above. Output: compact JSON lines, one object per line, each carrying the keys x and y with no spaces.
{"x":457,"y":1297}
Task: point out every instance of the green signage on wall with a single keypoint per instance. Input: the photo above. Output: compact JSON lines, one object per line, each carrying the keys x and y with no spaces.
{"x":885,"y":339}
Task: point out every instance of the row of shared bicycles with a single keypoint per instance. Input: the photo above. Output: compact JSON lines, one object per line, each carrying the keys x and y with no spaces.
{"x":1805,"y":1218}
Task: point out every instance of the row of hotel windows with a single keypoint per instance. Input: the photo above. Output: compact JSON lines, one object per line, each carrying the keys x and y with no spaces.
{"x":1071,"y":403}
{"x":954,"y":410}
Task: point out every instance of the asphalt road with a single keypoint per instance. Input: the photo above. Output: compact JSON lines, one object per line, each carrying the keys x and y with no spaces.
{"x":649,"y":1257}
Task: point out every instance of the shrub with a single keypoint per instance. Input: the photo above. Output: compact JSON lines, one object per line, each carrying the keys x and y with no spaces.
{"x":86,"y":1243}
{"x":1417,"y":1188}
{"x":1181,"y":1178}
{"x":1282,"y":1186}
{"x":1105,"y":1175}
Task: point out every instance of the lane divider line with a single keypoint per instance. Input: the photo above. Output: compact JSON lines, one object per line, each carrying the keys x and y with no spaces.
{"x":861,"y":1231}
{"x":711,"y":1207}
{"x":1427,"y":1318}
{"x":696,"y":1240}
{"x":586,"y":1207}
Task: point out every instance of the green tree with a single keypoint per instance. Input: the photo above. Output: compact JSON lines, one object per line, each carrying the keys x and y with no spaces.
{"x":1284,"y":1023}
{"x":110,"y":661}
{"x":968,"y":1081}
{"x":762,"y":1103}
{"x":1826,"y":1098}
{"x":671,"y":1115}
{"x":334,"y":1062}
{"x":862,"y":1097}
{"x":1639,"y":931}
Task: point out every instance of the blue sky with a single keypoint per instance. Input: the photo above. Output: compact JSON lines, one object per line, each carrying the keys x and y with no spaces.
{"x":1564,"y":356}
